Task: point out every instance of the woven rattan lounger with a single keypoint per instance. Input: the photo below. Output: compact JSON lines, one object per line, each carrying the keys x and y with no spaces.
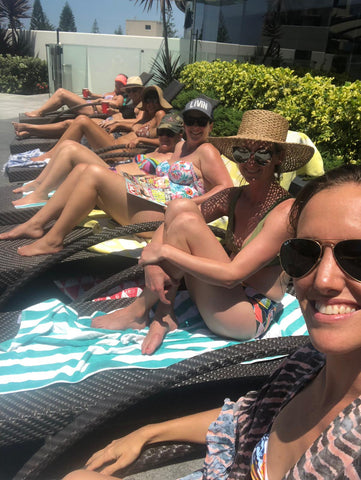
{"x":198,"y":383}
{"x":67,"y":416}
{"x":17,"y":272}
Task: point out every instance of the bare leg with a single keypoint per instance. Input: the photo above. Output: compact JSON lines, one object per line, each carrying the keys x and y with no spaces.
{"x":51,"y":130}
{"x":95,"y":186}
{"x":34,"y":227}
{"x":82,"y":125}
{"x":227,"y":312}
{"x":59,"y":167}
{"x":58,"y":99}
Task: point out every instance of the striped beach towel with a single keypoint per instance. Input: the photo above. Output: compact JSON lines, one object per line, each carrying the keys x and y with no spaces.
{"x":55,"y":345}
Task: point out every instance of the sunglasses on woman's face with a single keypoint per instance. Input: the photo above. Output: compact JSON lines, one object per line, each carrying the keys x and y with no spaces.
{"x":299,"y":256}
{"x":133,"y":90}
{"x":262,"y":156}
{"x":166,"y":132}
{"x":200,"y":121}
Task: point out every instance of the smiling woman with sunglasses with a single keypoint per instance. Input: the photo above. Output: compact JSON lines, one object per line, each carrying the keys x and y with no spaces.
{"x":238,"y":288}
{"x":305,"y":422}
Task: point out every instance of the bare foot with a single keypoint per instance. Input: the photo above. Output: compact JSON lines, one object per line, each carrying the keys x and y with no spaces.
{"x":40,"y":247}
{"x":29,"y":187}
{"x":29,"y":199}
{"x":158,"y":329}
{"x":128,"y":317}
{"x":35,"y":113}
{"x":24,"y":230}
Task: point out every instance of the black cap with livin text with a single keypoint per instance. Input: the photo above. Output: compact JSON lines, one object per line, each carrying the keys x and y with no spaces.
{"x":201,"y":105}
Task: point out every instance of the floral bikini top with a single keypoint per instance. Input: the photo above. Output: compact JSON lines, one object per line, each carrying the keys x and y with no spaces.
{"x":184,"y":181}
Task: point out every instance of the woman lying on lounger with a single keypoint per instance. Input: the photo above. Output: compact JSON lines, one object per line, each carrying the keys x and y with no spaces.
{"x":64,"y":97}
{"x":195,"y":170}
{"x":133,"y":90}
{"x":305,"y":422}
{"x":236,"y":290}
{"x":71,"y":153}
{"x":143,"y":130}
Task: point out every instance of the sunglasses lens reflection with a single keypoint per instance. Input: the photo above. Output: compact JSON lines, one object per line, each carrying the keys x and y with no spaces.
{"x":299,"y":256}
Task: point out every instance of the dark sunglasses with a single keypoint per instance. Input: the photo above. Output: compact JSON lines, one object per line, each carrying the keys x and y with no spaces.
{"x":200,"y":121}
{"x":299,"y":256}
{"x":166,"y":132}
{"x":262,"y":156}
{"x":133,"y":90}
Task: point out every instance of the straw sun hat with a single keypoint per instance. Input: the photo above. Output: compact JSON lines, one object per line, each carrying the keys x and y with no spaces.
{"x":163,"y":102}
{"x":266,"y":126}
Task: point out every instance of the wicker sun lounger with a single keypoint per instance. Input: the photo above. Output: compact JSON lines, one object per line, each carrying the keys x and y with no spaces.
{"x":66,"y":416}
{"x":17,"y":272}
{"x":195,"y":384}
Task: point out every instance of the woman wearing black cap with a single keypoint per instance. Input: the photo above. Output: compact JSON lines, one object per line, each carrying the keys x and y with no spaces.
{"x":195,"y":170}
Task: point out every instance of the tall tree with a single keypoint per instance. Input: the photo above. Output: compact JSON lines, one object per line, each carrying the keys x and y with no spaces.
{"x":13,"y":11}
{"x":171,"y":28}
{"x":67,"y":21}
{"x":164,"y":5}
{"x":95,"y":27}
{"x":39,"y":21}
{"x":222,"y":34}
{"x":118,"y":30}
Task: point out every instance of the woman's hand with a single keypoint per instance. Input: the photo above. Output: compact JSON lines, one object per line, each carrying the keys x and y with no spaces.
{"x":120,"y":453}
{"x":157,"y":281}
{"x":133,"y":143}
{"x":151,"y":254}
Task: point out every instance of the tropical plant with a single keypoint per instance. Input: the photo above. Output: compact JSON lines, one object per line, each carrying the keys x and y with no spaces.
{"x":328,"y":113}
{"x":166,"y":69}
{"x":13,"y":11}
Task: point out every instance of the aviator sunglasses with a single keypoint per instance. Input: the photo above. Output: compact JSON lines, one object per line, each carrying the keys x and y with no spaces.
{"x":262,"y":156}
{"x":200,"y":121}
{"x":299,"y":256}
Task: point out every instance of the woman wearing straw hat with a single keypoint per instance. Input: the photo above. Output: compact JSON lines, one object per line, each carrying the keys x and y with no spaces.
{"x":237,"y":290}
{"x":141,"y":130}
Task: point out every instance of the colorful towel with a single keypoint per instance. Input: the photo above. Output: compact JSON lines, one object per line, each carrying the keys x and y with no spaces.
{"x":55,"y":345}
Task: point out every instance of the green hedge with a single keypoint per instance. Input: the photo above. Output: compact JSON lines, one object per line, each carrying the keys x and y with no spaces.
{"x":23,"y":75}
{"x":327,"y":113}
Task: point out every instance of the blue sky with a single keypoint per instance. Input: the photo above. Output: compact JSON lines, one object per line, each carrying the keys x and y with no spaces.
{"x":108,"y":13}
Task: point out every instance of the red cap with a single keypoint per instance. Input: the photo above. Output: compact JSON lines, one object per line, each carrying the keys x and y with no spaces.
{"x":121,"y":78}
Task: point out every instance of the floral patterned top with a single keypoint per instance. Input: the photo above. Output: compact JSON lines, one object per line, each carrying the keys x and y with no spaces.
{"x":184,"y":182}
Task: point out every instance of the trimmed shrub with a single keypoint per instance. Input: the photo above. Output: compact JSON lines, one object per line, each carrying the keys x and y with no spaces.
{"x":23,"y":75}
{"x":329,"y":114}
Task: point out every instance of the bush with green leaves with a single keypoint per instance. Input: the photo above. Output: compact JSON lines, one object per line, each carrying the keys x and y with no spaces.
{"x":328,"y":113}
{"x":23,"y":75}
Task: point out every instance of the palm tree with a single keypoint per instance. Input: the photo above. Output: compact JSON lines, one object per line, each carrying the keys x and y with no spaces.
{"x":164,"y":5}
{"x":14,"y":11}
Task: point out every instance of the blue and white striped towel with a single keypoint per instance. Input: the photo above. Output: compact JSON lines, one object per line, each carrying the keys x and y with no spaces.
{"x":55,"y":345}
